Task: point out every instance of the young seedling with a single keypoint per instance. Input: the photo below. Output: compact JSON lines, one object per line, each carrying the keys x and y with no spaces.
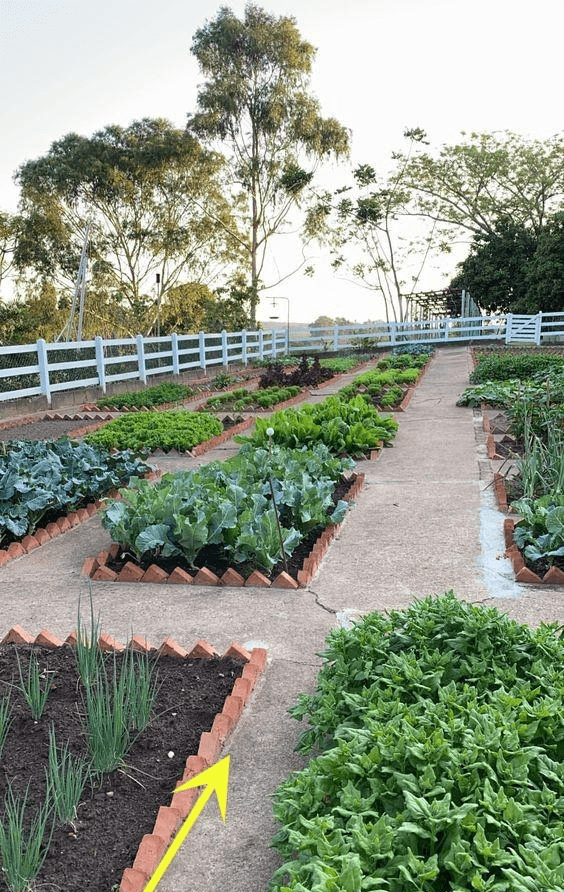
{"x":24,"y":840}
{"x":89,"y":656}
{"x":5,"y":720}
{"x":66,"y":777}
{"x":34,"y":693}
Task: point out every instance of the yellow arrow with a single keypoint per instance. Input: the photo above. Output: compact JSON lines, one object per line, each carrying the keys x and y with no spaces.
{"x":214,"y":779}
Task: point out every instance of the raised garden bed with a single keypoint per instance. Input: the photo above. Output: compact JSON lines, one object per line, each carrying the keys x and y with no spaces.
{"x":200,"y":697}
{"x":117,"y":565}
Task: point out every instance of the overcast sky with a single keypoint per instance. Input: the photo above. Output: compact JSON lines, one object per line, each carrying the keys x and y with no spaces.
{"x":381,"y":66}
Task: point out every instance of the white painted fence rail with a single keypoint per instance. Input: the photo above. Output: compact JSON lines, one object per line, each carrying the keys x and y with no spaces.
{"x":42,"y":369}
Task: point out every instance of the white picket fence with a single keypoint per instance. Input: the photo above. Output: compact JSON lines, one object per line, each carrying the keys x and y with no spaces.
{"x":42,"y":369}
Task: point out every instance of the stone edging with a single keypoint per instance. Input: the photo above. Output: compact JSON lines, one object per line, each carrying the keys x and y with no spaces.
{"x":171,"y":817}
{"x":97,"y":567}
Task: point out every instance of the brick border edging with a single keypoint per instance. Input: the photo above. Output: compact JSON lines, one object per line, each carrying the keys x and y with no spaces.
{"x":97,"y":567}
{"x":170,"y":817}
{"x":24,"y":420}
{"x":413,"y":387}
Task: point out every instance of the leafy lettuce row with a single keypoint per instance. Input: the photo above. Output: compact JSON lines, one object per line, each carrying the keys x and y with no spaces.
{"x":144,"y":431}
{"x":38,"y":477}
{"x":229,"y":504}
{"x":439,"y":734}
{"x":347,"y":427}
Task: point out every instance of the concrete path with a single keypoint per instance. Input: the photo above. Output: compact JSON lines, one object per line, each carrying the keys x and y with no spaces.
{"x":425,"y":522}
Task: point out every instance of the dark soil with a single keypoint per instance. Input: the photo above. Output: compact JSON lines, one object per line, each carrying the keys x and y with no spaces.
{"x":47,"y":429}
{"x":114,"y":814}
{"x":215,"y":560}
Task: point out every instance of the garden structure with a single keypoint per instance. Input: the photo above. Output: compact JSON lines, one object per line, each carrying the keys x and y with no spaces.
{"x":426,"y":522}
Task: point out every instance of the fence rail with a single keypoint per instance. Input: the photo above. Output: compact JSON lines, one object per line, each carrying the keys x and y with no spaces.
{"x":42,"y":369}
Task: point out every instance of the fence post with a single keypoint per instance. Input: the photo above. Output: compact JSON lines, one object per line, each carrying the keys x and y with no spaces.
{"x":244,"y":347}
{"x":43,"y":364}
{"x":336,"y":337}
{"x":203,"y":350}
{"x":99,"y":347}
{"x":508,"y":324}
{"x":175,"y":356}
{"x":538,"y":329}
{"x":224,"y":356}
{"x":447,"y":326}
{"x":392,"y":332}
{"x":273,"y":351}
{"x":261,"y":344}
{"x":141,"y":359}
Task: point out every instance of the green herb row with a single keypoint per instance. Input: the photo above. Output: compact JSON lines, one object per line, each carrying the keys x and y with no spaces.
{"x":229,"y":505}
{"x":180,"y":430}
{"x":351,"y":427}
{"x":40,"y":477}
{"x":168,"y":392}
{"x":441,"y":764}
{"x":241,"y":399}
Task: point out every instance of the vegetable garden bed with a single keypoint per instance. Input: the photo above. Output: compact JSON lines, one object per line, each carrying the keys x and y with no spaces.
{"x":198,"y":701}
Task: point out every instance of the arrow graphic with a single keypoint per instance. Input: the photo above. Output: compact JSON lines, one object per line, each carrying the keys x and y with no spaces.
{"x":215,"y":779}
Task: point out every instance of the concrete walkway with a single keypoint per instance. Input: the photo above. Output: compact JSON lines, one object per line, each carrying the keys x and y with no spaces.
{"x":425,"y":522}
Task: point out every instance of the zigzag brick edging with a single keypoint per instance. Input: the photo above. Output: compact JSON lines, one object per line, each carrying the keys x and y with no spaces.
{"x":169,"y":818}
{"x":97,"y":567}
{"x":24,"y":420}
{"x":553,"y":576}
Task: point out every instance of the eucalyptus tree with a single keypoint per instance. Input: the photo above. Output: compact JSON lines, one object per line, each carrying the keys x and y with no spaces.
{"x":256,"y":106}
{"x":8,"y":240}
{"x":152,"y":198}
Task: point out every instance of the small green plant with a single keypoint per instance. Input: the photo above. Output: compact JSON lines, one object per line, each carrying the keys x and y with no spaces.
{"x":139,"y":687}
{"x":66,"y":777}
{"x":5,"y":720}
{"x":160,"y":395}
{"x":88,"y":654}
{"x":35,"y":687}
{"x":24,"y":840}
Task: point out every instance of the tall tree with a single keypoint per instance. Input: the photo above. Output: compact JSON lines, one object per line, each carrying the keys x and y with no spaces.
{"x":8,"y":240}
{"x":153,"y":200}
{"x":546,"y":271}
{"x":486,"y":177}
{"x":255,"y":104}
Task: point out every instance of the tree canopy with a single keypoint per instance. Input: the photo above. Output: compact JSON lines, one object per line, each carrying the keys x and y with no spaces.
{"x":256,"y":107}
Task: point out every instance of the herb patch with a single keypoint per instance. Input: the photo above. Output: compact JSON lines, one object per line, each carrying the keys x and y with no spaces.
{"x":440,"y":766}
{"x":91,"y":851}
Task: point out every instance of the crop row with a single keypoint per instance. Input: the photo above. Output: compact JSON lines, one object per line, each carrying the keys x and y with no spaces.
{"x":437,"y":735}
{"x":532,"y":394}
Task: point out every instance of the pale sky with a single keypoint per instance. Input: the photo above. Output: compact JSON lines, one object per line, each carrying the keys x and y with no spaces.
{"x":381,"y":66}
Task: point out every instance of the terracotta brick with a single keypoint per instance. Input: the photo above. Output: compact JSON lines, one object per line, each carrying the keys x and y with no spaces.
{"x":82,"y":514}
{"x":91,"y":509}
{"x":508,"y":525}
{"x":258,"y":579}
{"x":109,"y":643}
{"x":149,"y":854}
{"x":202,"y":650}
{"x":73,"y":518}
{"x":42,"y":536}
{"x":53,"y":529}
{"x":29,"y":543}
{"x":130,"y":573}
{"x":171,"y":648}
{"x":284,"y":580}
{"x":233,"y":707}
{"x":114,"y":550}
{"x":516,"y":558}
{"x":17,"y":635}
{"x":205,"y":577}
{"x":242,"y":689}
{"x":251,"y":673}
{"x":71,"y":639}
{"x":15,"y":550}
{"x":231,"y":577}
{"x":168,"y":822}
{"x":222,"y":725}
{"x":104,"y":574}
{"x":210,"y":747}
{"x":304,"y":578}
{"x":133,"y":880}
{"x":183,"y":802}
{"x":259,"y":657}
{"x":63,"y":523}
{"x":554,"y":576}
{"x":47,"y":639}
{"x":526,"y":575}
{"x":154,"y":574}
{"x":194,"y":765}
{"x":5,"y":557}
{"x":102,"y":558}
{"x":179,"y":577}
{"x":141,"y":644}
{"x":237,"y":652}
{"x":89,"y":566}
